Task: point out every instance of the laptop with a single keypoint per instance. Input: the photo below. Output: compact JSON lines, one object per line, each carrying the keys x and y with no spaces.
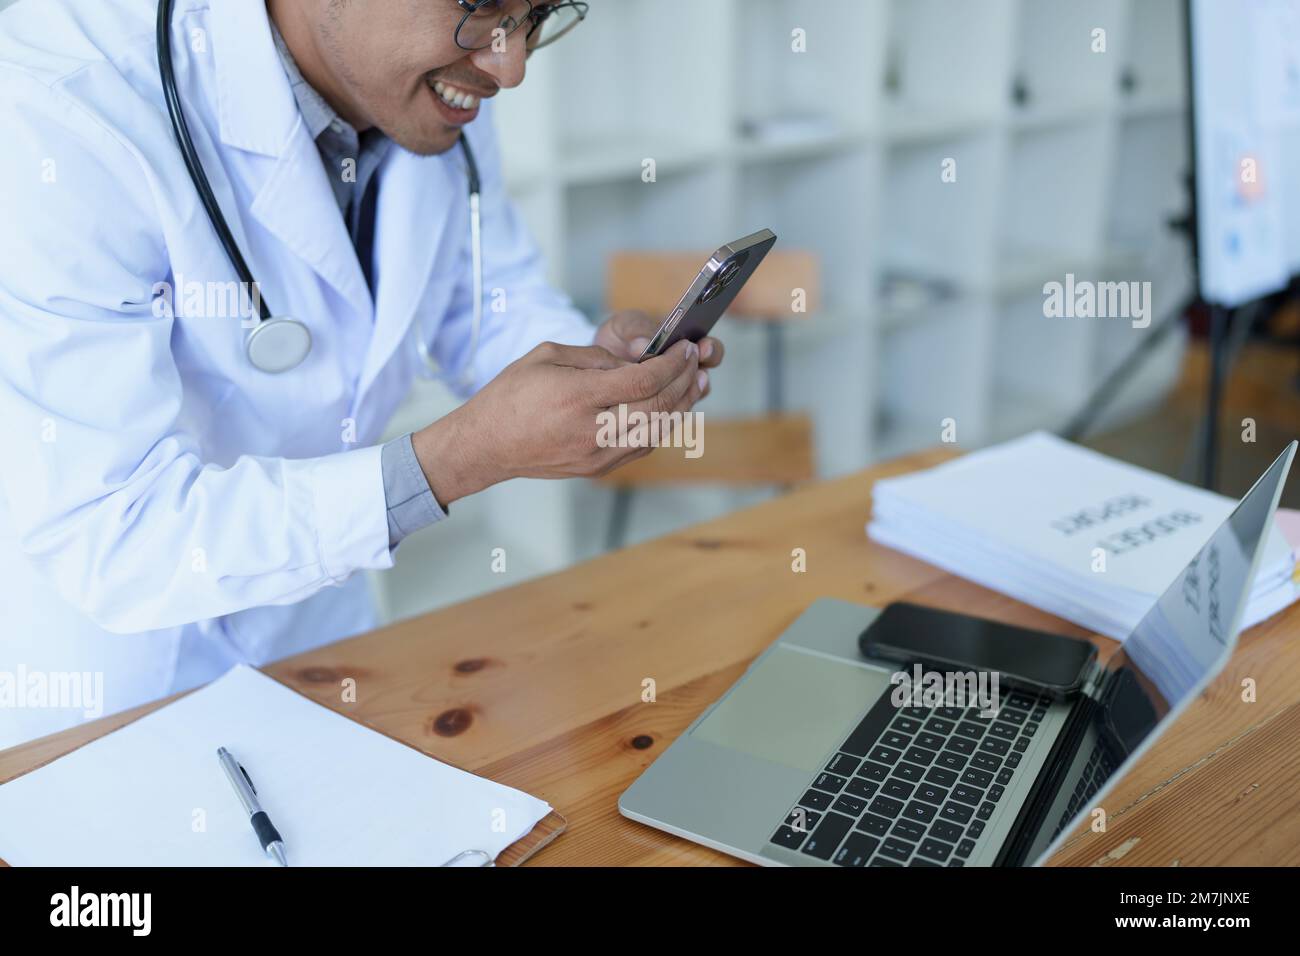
{"x":807,"y":761}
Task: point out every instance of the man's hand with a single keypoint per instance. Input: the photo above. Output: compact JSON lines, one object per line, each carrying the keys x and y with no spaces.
{"x":626,"y":335}
{"x":538,"y":418}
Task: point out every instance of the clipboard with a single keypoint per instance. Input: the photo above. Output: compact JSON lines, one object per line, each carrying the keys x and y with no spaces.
{"x":394,"y":768}
{"x":542,"y":836}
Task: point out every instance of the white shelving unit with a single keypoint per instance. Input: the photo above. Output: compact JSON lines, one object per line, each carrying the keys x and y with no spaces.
{"x":1068,"y":161}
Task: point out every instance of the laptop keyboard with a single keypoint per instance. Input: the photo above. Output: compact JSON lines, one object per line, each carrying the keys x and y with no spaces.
{"x":1094,"y":776}
{"x":913,"y":786}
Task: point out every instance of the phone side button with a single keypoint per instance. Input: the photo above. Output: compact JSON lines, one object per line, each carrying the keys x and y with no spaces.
{"x":666,"y":330}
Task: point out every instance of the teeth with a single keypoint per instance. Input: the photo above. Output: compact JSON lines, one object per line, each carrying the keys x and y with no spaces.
{"x":454,"y":97}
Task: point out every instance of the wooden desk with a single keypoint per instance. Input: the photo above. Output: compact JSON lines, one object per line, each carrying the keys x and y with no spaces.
{"x":539,"y":686}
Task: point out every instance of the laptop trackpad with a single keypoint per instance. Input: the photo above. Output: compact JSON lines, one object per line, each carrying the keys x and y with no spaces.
{"x":793,"y":708}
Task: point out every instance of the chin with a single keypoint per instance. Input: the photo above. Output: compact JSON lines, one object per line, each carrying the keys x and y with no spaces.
{"x":447,"y":140}
{"x":428,"y":144}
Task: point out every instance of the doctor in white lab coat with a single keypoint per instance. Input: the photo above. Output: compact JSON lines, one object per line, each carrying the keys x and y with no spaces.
{"x":167,"y":509}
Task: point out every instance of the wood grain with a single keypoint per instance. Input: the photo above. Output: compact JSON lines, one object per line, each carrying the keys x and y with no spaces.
{"x":771,"y":450}
{"x":540,"y":685}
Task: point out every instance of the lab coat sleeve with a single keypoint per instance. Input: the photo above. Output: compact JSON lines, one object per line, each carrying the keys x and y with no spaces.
{"x":108,"y":497}
{"x":521,"y":309}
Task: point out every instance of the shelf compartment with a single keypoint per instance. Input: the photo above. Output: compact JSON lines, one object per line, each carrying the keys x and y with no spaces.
{"x":1056,"y":197}
{"x":1057,"y":66}
{"x":834,"y":83}
{"x":933,"y":227}
{"x":826,"y":204}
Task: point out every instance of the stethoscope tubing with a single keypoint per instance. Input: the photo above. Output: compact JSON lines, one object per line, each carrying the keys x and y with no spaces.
{"x":194,"y":165}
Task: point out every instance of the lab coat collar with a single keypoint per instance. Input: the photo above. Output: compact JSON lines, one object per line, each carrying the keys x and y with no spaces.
{"x":256,"y":110}
{"x":405,"y":248}
{"x":296,"y":205}
{"x":257,"y":113}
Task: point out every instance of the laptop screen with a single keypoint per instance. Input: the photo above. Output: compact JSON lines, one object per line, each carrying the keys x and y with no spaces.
{"x":1177,"y":648}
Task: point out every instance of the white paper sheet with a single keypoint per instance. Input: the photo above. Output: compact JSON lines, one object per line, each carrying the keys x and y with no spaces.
{"x":154,"y":794}
{"x":1035,"y":518}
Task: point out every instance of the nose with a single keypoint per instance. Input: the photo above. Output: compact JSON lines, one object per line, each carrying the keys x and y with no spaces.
{"x":506,"y":65}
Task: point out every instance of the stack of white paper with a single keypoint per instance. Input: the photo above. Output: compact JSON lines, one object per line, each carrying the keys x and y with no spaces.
{"x":1068,"y":530}
{"x":154,"y":794}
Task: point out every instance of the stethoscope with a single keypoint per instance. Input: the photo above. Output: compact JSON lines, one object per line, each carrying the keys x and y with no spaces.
{"x":280,"y":343}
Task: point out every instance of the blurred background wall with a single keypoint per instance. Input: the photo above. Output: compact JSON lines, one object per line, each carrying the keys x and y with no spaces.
{"x":831,"y":123}
{"x":942,"y":160}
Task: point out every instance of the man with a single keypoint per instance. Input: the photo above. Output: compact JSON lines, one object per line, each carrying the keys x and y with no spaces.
{"x":169,"y":508}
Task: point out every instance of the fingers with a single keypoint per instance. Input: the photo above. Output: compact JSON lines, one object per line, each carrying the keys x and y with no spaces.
{"x":627,"y":333}
{"x":630,"y":324}
{"x":677,"y":394}
{"x":677,"y":400}
{"x":711,"y":352}
{"x":638,"y":383}
{"x":681,"y":395}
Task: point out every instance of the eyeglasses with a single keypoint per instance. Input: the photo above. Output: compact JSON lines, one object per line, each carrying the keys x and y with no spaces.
{"x":479,"y":27}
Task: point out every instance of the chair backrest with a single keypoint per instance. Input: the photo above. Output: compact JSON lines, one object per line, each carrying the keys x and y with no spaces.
{"x":654,"y":281}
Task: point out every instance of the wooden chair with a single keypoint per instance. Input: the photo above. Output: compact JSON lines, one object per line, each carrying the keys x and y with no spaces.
{"x":773,"y":449}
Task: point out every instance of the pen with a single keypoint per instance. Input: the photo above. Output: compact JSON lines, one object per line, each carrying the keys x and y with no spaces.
{"x":247,"y":793}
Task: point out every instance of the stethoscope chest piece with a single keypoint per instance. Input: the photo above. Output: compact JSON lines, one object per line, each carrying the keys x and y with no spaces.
{"x":278,"y":345}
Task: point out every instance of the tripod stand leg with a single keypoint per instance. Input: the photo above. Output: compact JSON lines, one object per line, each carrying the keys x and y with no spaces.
{"x":1105,"y":393}
{"x":1220,"y":317}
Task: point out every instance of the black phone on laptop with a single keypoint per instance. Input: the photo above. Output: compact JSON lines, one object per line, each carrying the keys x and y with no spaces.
{"x":946,"y":641}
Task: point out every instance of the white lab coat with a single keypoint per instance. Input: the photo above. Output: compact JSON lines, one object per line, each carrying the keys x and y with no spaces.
{"x":167,"y":510}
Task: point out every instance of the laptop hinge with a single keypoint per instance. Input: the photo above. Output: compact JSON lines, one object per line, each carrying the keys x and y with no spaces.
{"x":1033,"y":813}
{"x":1093,"y":684}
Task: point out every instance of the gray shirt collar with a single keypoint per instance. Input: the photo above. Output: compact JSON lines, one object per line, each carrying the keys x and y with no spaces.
{"x":316,"y":112}
{"x":336,"y":141}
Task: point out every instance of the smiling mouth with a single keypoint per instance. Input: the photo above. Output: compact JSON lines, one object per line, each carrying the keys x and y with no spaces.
{"x":455,"y":97}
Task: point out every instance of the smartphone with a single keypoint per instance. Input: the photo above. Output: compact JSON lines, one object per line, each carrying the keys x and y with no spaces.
{"x":713,"y":290}
{"x":944,"y":641}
